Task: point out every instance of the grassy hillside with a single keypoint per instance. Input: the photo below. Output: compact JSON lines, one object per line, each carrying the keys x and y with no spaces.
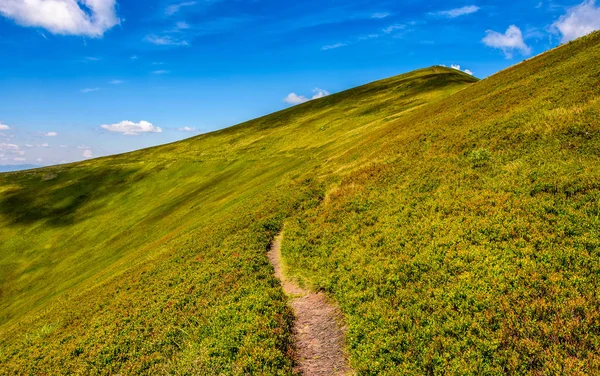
{"x":154,"y":261}
{"x":454,"y":221}
{"x":472,"y":246}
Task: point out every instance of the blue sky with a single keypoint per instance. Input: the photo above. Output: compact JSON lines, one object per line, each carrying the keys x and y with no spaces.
{"x":88,"y":78}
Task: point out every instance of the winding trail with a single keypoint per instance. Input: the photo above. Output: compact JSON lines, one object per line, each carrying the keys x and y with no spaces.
{"x":318,"y":338}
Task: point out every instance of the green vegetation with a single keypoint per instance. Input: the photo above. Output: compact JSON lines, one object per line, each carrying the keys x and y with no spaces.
{"x":455,"y":222}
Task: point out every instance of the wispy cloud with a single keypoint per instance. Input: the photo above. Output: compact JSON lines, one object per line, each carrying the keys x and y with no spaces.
{"x":182,"y":25}
{"x":380,"y":15}
{"x":166,"y":40}
{"x":510,"y":41}
{"x":161,"y":71}
{"x":116,"y":82}
{"x":457,"y":12}
{"x":389,"y":30}
{"x":392,"y":28}
{"x":90,"y":90}
{"x":12,"y":149}
{"x":175,"y":8}
{"x":187,"y":129}
{"x":333,"y":46}
{"x":4,"y":127}
{"x":51,"y":134}
{"x":578,"y":21}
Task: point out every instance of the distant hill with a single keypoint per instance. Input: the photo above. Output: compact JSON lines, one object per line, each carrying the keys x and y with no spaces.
{"x":9,"y":168}
{"x":454,"y":221}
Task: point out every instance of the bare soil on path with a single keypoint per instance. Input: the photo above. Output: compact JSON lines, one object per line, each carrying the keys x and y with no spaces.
{"x":318,"y":336}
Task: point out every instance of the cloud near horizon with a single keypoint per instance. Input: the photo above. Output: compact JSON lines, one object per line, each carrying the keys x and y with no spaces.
{"x":63,"y":17}
{"x":13,"y":150}
{"x":131,"y":128}
{"x":293,"y":98}
{"x":457,"y":67}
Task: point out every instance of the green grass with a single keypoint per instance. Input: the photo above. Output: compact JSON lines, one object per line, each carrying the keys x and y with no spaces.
{"x":454,"y":221}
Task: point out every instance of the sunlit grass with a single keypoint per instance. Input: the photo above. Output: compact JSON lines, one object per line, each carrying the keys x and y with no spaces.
{"x":455,"y":223}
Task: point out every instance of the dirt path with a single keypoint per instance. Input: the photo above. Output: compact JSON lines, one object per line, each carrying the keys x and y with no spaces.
{"x":318,"y":338}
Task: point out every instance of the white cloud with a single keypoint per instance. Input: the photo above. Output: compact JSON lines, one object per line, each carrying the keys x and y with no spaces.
{"x":4,"y":127}
{"x":319,"y":93}
{"x":133,"y":57}
{"x":293,"y":98}
{"x":65,"y":17}
{"x":83,"y":147}
{"x":19,"y":159}
{"x":63,"y":146}
{"x":90,"y":89}
{"x":579,"y":21}
{"x":161,"y":71}
{"x":333,"y":46}
{"x":116,"y":82}
{"x":130,"y":128}
{"x":87,"y":154}
{"x":12,"y":149}
{"x":457,"y":12}
{"x":457,"y":67}
{"x":172,"y":9}
{"x":39,"y":160}
{"x":508,"y":42}
{"x":392,"y":28}
{"x":51,"y":134}
{"x":187,"y":129}
{"x":166,"y":41}
{"x":44,"y":145}
{"x":380,"y":15}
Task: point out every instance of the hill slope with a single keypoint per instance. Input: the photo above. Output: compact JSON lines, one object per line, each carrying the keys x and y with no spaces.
{"x":455,"y":222}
